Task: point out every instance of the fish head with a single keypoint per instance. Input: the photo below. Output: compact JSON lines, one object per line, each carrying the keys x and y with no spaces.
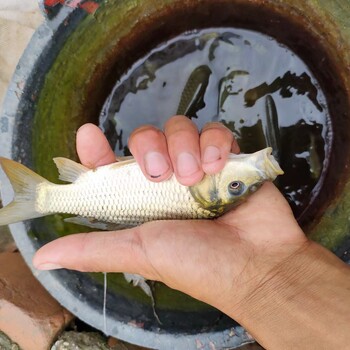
{"x":242,"y":175}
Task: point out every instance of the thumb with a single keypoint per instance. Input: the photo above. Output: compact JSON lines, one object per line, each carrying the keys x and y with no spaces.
{"x":117,"y":251}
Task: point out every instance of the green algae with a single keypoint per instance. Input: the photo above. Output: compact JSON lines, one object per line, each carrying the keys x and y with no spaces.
{"x":334,"y":226}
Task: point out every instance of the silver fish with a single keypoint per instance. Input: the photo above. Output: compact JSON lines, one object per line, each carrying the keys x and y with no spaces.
{"x":120,"y":195}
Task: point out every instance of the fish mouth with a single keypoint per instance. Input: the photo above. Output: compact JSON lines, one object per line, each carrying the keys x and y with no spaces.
{"x":271,"y":166}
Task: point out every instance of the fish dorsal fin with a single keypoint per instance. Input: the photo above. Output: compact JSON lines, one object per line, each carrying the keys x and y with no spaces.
{"x":127,"y":161}
{"x":69,"y":170}
{"x":124,"y":158}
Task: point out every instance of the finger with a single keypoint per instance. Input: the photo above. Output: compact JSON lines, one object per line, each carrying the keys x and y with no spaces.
{"x":149,"y":147}
{"x":92,"y":147}
{"x":118,"y":251}
{"x":271,"y":210}
{"x":216,"y":142}
{"x":183,"y":147}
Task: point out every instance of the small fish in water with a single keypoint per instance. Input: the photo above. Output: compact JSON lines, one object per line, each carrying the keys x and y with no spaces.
{"x":192,"y":97}
{"x":118,"y":195}
{"x":272,"y":130}
{"x":312,"y":157}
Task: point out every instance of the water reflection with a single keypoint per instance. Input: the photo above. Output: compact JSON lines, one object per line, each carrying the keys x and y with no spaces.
{"x":192,"y":97}
{"x":261,"y":90}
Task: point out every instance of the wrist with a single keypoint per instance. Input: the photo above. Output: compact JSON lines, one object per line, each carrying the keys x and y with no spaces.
{"x":299,"y":302}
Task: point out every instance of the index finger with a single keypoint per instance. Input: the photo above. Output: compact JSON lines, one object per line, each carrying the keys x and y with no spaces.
{"x":92,"y":147}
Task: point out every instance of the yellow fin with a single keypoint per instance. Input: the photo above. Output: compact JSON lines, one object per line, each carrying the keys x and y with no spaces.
{"x":24,"y":182}
{"x":69,"y":170}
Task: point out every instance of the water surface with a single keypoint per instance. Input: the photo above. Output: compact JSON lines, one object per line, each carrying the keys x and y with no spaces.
{"x":254,"y":85}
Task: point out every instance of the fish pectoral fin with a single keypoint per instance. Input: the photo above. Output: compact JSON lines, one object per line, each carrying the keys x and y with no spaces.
{"x":138,"y":281}
{"x":98,"y":225}
{"x":69,"y":170}
{"x":141,"y":282}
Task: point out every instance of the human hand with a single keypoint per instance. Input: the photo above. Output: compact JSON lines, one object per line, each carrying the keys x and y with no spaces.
{"x":244,"y":263}
{"x":235,"y":251}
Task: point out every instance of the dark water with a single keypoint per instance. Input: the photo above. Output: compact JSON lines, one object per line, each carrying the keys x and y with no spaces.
{"x":257,"y":87}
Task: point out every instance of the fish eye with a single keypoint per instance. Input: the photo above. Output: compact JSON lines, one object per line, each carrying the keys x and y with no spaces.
{"x":236,"y":187}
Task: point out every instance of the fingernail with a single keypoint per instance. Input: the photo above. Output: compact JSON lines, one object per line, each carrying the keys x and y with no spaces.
{"x":211,"y":154}
{"x":48,"y":266}
{"x":186,"y":164}
{"x":155,"y":164}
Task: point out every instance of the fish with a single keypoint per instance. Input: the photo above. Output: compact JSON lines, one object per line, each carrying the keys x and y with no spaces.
{"x":314,"y":160}
{"x":192,"y":97}
{"x":272,"y":130}
{"x":118,"y":195}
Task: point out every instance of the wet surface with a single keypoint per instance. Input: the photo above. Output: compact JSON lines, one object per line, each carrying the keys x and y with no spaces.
{"x":257,"y":87}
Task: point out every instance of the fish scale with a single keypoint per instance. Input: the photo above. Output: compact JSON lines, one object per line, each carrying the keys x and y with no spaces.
{"x":126,"y":197}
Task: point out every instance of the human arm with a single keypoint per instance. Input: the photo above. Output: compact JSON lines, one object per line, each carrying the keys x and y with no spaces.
{"x":268,"y":276}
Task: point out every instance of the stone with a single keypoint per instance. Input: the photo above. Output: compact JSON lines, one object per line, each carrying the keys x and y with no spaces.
{"x":91,"y":341}
{"x":29,"y":316}
{"x":7,"y":344}
{"x":81,"y":341}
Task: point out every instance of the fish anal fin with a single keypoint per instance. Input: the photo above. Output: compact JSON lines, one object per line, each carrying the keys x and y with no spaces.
{"x":95,"y":224}
{"x":69,"y":170}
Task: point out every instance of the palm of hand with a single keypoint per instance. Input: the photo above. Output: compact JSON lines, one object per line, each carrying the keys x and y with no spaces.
{"x":215,"y":261}
{"x":256,"y":237}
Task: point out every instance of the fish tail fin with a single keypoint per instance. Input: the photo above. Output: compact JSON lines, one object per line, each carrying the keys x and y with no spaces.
{"x":24,"y":182}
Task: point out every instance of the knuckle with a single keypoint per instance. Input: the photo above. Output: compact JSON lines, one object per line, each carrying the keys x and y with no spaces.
{"x":181,"y":135}
{"x":214,"y":125}
{"x":136,"y":241}
{"x":139,"y":252}
{"x":85,"y":251}
{"x":179,"y":122}
{"x":217,"y":132}
{"x":138,"y":249}
{"x":144,"y":132}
